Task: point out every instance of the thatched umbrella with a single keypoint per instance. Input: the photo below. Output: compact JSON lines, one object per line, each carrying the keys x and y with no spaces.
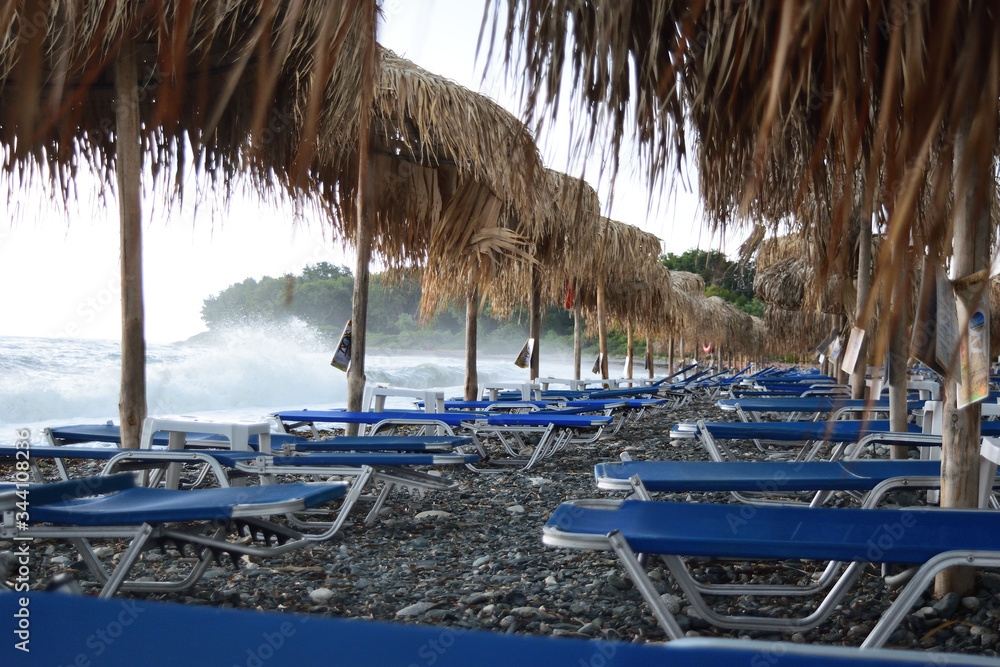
{"x":242,"y":88}
{"x":626,"y":261}
{"x":562,"y":245}
{"x":796,"y":99}
{"x":454,"y":188}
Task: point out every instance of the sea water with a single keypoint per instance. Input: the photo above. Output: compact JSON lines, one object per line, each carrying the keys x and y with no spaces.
{"x":241,"y":373}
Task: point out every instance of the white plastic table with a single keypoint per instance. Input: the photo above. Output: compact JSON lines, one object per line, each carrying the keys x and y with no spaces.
{"x":177,"y":428}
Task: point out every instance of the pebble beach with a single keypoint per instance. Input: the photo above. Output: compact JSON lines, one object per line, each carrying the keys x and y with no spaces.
{"x":474,"y":559}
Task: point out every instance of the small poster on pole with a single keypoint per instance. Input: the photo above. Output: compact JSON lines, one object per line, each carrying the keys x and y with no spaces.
{"x":836,"y":345}
{"x":824,"y":346}
{"x":974,"y":323}
{"x":597,"y":364}
{"x":853,"y":350}
{"x":342,"y":355}
{"x":523,"y":359}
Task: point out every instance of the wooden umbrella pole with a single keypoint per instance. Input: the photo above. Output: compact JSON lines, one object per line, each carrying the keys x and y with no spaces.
{"x":649,"y":357}
{"x":471,"y":330}
{"x":630,"y":350}
{"x":898,"y":349}
{"x":860,"y":372}
{"x":602,"y":331}
{"x":535,"y":325}
{"x":128,"y":168}
{"x":960,"y":439}
{"x":363,"y":231}
{"x":670,"y":356}
{"x":577,"y":331}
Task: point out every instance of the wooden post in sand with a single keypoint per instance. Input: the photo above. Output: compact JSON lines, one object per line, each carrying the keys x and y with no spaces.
{"x":649,"y":356}
{"x":471,"y":331}
{"x":128,"y":169}
{"x":961,"y":436}
{"x":577,"y":331}
{"x":535,"y":322}
{"x":630,"y":350}
{"x":602,"y":331}
{"x":363,"y":234}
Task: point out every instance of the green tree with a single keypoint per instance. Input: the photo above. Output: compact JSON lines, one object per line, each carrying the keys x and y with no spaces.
{"x":723,"y":278}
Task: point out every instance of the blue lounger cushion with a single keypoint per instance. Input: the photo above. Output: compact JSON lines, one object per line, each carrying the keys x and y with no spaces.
{"x":131,"y":631}
{"x":838,"y":431}
{"x":769,"y":476}
{"x":808,"y":404}
{"x":763,"y":532}
{"x":139,"y":505}
{"x":449,"y":418}
{"x":233,"y":458}
{"x":109,"y":433}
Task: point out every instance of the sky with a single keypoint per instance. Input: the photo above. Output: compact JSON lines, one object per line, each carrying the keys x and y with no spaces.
{"x":59,"y":275}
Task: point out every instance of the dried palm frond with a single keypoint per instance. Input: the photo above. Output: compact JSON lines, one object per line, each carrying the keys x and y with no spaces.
{"x":267,"y":90}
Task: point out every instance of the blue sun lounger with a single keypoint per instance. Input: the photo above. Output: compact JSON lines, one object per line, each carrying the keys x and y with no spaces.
{"x":110,"y":433}
{"x":123,"y":632}
{"x":554,"y":431}
{"x":868,"y":478}
{"x":750,"y":409}
{"x":929,"y":538}
{"x":203,"y":519}
{"x":841,"y":432}
{"x":392,"y":469}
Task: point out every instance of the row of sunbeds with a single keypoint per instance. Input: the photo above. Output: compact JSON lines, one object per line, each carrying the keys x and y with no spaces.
{"x":249,"y":506}
{"x":772,"y":524}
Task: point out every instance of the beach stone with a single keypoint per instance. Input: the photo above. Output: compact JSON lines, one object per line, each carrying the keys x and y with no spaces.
{"x":590,"y":629}
{"x":991,"y":581}
{"x":615,"y":579}
{"x":482,"y":560}
{"x":971,"y":603}
{"x":579,"y":607}
{"x":59,"y":560}
{"x":515,"y":509}
{"x":415,"y":609}
{"x":515,"y":599}
{"x":508,"y":621}
{"x":103,"y":552}
{"x":947,"y":605}
{"x":539,"y":481}
{"x":671,"y":602}
{"x":433,"y":514}
{"x":524,"y":612}
{"x":476,"y":598}
{"x":321,"y":595}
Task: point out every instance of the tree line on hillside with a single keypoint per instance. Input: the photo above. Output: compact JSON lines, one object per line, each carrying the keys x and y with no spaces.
{"x":321,"y":297}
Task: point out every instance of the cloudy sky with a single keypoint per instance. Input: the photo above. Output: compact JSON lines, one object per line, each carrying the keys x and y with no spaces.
{"x":59,"y":269}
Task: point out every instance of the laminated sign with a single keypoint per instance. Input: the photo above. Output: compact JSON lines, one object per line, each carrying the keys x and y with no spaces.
{"x":524,"y":356}
{"x":853,"y":350}
{"x":342,"y":356}
{"x":974,"y":341}
{"x":597,"y":364}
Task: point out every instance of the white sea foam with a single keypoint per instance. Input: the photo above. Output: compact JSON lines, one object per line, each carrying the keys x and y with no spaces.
{"x":241,"y":373}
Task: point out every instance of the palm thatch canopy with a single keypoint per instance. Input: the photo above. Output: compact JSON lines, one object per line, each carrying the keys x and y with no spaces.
{"x":562,"y":244}
{"x":690,"y":283}
{"x":626,"y":264}
{"x":454,"y":181}
{"x":269,"y":90}
{"x":852,"y":108}
{"x":795,"y":331}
